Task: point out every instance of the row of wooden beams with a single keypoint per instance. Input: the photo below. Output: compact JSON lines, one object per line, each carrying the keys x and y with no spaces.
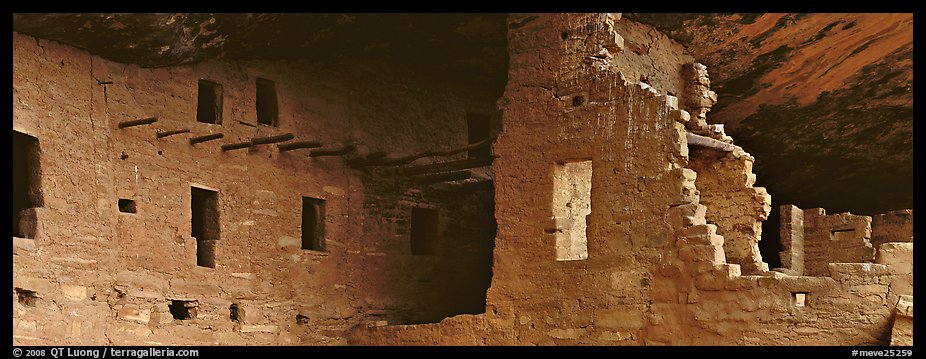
{"x":234,"y":146}
{"x":258,"y":141}
{"x":379,"y":158}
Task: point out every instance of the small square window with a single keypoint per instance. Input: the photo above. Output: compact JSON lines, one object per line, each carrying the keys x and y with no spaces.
{"x":183,"y":309}
{"x":842,"y":234}
{"x":799,"y":299}
{"x":26,"y":297}
{"x":127,"y":206}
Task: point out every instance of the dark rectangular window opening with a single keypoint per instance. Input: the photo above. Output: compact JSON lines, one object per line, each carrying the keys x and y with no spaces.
{"x":205,"y":224}
{"x":26,"y":297}
{"x":478,"y":127}
{"x":127,"y":206}
{"x":235,"y":313}
{"x":209,"y":107}
{"x":313,"y":224}
{"x":26,"y":190}
{"x":424,"y":231}
{"x":267,"y":111}
{"x":183,"y":309}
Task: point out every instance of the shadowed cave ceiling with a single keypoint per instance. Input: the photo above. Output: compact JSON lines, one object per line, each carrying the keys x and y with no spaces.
{"x":823,"y":101}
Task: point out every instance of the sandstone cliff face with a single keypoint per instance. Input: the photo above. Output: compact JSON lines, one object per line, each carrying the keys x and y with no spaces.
{"x":448,"y":49}
{"x":823,"y":101}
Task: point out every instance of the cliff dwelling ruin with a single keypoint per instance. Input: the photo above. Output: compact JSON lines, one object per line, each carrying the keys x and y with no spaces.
{"x":462,"y":179}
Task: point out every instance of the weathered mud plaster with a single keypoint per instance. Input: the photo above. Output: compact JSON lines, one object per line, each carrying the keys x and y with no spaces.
{"x":92,"y":274}
{"x":646,"y":238}
{"x":667,"y":221}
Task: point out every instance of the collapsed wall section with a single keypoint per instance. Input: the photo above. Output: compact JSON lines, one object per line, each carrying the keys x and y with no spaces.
{"x":657,"y":271}
{"x":725,"y":181}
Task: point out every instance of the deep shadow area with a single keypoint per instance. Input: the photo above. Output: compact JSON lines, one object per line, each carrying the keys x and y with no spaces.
{"x":25,"y":177}
{"x":462,"y":259}
{"x":770,"y":244}
{"x":204,"y":225}
{"x":458,"y":50}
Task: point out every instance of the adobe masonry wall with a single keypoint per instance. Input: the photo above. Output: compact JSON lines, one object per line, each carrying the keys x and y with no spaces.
{"x":838,"y":238}
{"x":894,"y":226}
{"x":105,"y":277}
{"x":725,"y":182}
{"x":656,"y":272}
{"x":792,"y":239}
{"x":835,"y":238}
{"x":535,"y":299}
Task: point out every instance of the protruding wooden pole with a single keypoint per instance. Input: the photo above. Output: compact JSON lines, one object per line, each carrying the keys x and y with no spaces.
{"x":447,"y":166}
{"x":143,"y":121}
{"x":163,"y":134}
{"x":337,"y":152}
{"x":235,"y":146}
{"x":297,"y":145}
{"x":272,"y":139}
{"x":443,"y":177}
{"x":205,"y":138}
{"x":472,"y":186}
{"x":409,"y":159}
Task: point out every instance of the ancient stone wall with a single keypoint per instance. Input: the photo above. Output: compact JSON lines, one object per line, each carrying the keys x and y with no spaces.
{"x":668,"y":256}
{"x":97,"y":270}
{"x":656,"y":271}
{"x":895,"y":226}
{"x":902,"y":333}
{"x":725,"y":182}
{"x":792,"y":239}
{"x":899,"y":257}
{"x":835,"y":238}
